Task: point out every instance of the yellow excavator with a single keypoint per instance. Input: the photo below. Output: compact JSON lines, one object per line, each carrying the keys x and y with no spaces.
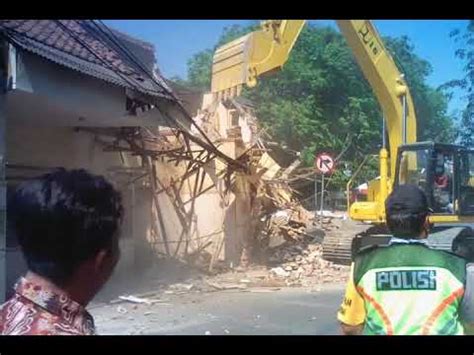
{"x":444,"y":171}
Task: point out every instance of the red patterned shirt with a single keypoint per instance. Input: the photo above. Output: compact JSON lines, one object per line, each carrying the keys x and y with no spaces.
{"x":41,"y":308}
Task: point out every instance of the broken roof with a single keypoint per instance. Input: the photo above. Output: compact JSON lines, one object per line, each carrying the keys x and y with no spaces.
{"x":78,"y":45}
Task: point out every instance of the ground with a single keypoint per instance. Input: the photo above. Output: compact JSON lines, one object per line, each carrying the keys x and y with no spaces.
{"x":297,"y":293}
{"x":262,"y":311}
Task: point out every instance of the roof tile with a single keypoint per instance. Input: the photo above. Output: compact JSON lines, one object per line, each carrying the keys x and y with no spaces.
{"x":66,"y":46}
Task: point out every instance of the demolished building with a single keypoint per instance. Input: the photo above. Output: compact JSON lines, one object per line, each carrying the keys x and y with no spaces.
{"x":205,"y":190}
{"x":214,"y":213}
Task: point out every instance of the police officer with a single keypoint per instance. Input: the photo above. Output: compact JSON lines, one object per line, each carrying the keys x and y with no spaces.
{"x":406,"y":288}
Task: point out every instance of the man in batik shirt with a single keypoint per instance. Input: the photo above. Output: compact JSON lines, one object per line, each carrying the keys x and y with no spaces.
{"x":67,"y":224}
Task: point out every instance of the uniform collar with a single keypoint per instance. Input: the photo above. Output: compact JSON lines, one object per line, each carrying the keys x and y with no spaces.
{"x":395,"y":240}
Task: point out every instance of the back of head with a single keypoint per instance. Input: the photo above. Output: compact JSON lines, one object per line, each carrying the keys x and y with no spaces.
{"x":406,"y":211}
{"x":64,"y":218}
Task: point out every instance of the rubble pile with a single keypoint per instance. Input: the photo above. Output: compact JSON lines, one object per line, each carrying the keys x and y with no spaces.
{"x":299,"y":262}
{"x":295,"y":263}
{"x":303,"y":265}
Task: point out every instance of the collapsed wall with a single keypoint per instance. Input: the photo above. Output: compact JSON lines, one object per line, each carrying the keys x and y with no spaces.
{"x":210,"y":214}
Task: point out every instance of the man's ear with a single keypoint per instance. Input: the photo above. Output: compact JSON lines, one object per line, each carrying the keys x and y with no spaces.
{"x":427,"y":225}
{"x":100,"y":259}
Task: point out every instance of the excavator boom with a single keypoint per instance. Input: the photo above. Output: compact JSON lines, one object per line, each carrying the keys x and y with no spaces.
{"x":243,"y":60}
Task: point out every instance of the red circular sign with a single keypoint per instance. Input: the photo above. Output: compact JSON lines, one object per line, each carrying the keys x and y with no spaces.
{"x":325,"y":163}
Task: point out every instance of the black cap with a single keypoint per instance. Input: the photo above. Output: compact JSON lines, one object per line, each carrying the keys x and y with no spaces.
{"x":407,"y":198}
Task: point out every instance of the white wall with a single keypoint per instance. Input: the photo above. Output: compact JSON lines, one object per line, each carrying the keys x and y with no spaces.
{"x":64,"y":97}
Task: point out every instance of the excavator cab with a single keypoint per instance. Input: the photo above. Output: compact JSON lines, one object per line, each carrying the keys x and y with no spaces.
{"x":444,"y":172}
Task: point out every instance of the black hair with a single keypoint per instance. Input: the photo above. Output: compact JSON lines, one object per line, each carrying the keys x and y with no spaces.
{"x":64,"y":218}
{"x":405,"y":224}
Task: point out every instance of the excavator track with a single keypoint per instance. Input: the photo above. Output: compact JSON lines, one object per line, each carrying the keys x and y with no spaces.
{"x":340,"y":247}
{"x":337,"y":248}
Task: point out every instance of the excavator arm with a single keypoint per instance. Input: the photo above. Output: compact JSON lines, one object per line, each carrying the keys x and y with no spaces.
{"x":243,"y":60}
{"x":387,"y":83}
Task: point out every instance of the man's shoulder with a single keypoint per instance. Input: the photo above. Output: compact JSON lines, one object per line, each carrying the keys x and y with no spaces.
{"x":402,"y":255}
{"x":409,"y":251}
{"x":369,"y":252}
{"x":19,"y":316}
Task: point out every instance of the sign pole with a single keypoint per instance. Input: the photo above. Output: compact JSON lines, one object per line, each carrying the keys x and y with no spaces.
{"x":316,"y":193}
{"x":322,"y":193}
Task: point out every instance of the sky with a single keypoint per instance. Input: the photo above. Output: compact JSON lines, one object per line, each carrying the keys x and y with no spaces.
{"x":176,"y":41}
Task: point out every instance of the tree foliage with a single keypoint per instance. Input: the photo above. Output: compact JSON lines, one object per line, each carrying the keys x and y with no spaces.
{"x":465,"y":52}
{"x":200,"y":64}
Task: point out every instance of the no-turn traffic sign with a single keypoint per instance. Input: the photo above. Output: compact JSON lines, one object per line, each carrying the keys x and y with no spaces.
{"x":325,"y":163}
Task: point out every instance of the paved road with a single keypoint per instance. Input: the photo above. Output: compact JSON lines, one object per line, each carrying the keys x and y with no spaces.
{"x":287,"y":311}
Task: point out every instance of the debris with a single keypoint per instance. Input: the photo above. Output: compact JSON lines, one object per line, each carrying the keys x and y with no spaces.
{"x":235,"y":286}
{"x":279,"y":226}
{"x":207,"y":332}
{"x":121,"y":310}
{"x":330,"y":214}
{"x":151,"y":294}
{"x":182,"y":287}
{"x":226,"y":286}
{"x":226,"y":331}
{"x":134,"y":299}
{"x":258,"y":274}
{"x":264,"y":290}
{"x":301,"y":264}
{"x":148,"y":313}
{"x":280,"y":272}
{"x":115,"y":301}
{"x":157,"y":302}
{"x":312,"y":319}
{"x":216,"y":286}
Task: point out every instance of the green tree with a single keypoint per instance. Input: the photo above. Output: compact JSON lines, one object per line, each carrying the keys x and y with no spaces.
{"x":321,"y":101}
{"x":199,"y":69}
{"x":465,"y":52}
{"x":200,"y":64}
